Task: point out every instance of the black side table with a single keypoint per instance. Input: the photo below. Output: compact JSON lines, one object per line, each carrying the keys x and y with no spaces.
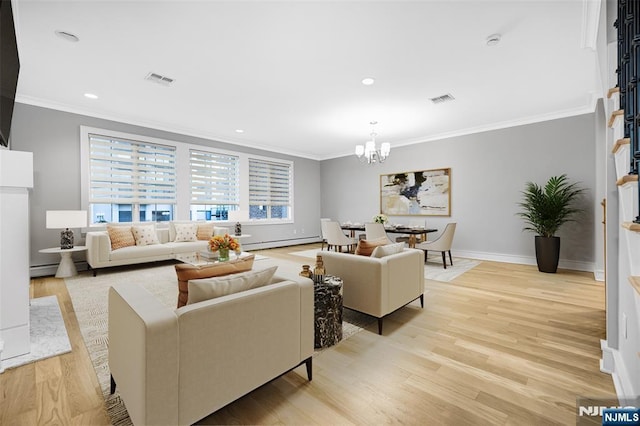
{"x":328,"y":311}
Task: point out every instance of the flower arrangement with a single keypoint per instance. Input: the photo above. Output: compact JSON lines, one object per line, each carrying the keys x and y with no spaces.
{"x":381,"y":218}
{"x":225,"y":241}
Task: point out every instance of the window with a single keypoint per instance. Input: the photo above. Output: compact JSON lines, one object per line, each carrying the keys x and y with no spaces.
{"x":130,"y":181}
{"x":137,"y":178}
{"x":215,"y":183}
{"x":269,"y":189}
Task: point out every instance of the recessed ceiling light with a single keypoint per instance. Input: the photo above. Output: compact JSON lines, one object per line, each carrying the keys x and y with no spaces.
{"x":368,"y":81}
{"x":493,"y":39}
{"x":239,"y":131}
{"x":90,"y":96}
{"x":67,"y":36}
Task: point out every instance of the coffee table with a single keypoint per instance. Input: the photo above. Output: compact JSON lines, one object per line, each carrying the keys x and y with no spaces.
{"x":202,"y":258}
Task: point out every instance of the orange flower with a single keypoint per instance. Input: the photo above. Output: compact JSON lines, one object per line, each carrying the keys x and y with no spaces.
{"x":224,"y":241}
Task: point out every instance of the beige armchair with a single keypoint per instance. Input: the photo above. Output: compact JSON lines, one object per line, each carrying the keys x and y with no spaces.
{"x":442,"y":244}
{"x":378,"y":286}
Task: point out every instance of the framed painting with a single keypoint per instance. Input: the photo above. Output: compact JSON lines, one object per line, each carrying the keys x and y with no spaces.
{"x":418,"y":193}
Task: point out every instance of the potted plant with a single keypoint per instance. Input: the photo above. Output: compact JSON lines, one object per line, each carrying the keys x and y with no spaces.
{"x":545,"y":209}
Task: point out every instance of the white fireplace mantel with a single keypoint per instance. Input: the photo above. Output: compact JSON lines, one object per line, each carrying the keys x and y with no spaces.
{"x":16,"y":178}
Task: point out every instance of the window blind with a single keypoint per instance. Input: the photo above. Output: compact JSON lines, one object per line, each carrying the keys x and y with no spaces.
{"x":124,"y":171}
{"x":269,"y":183}
{"x":214,"y":178}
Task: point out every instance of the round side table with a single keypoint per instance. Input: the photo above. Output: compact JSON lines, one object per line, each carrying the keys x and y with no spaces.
{"x":66,"y":268}
{"x":328,"y":311}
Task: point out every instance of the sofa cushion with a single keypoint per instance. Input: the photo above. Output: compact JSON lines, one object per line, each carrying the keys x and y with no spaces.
{"x":187,"y":246}
{"x":205,"y":231}
{"x":120,"y":236}
{"x":387,"y":250}
{"x":210,"y":288}
{"x":366,"y":247}
{"x":186,"y":272}
{"x":186,"y":232}
{"x":153,"y":252}
{"x":145,"y":235}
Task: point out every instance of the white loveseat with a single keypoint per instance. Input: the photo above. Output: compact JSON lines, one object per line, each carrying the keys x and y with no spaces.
{"x":174,"y":367}
{"x":378,"y":286}
{"x":101,"y":255}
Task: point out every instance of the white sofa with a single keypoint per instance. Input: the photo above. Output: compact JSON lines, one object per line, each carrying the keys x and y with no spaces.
{"x":100,"y":254}
{"x":174,"y":367}
{"x":378,"y":286}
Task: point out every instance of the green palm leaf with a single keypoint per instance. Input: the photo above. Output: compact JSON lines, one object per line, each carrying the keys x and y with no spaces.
{"x":546,"y":209}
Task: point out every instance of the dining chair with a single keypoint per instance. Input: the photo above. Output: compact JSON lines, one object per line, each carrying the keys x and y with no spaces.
{"x":336,"y":238}
{"x":323,"y":232}
{"x":442,"y":244}
{"x":374,"y":230}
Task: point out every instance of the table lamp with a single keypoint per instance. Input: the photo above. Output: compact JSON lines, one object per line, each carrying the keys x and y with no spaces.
{"x":238,"y":216}
{"x":65,"y":219}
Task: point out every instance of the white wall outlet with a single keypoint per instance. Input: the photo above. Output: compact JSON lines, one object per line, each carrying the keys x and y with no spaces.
{"x":303,"y":230}
{"x":295,"y":231}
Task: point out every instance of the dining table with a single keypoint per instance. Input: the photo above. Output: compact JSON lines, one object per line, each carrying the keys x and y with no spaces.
{"x":413,"y":232}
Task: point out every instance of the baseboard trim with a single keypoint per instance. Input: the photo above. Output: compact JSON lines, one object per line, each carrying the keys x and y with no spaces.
{"x":598,"y":274}
{"x":47,"y":270}
{"x":523,"y":260}
{"x":260,"y":245}
{"x":613,"y":364}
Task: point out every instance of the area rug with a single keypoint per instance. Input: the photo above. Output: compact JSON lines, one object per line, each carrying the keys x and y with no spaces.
{"x":48,"y":333}
{"x":433,"y":269}
{"x":89,"y":296}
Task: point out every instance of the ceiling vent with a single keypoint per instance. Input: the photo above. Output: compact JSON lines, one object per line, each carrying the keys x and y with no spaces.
{"x":160,"y":79}
{"x":443,"y":98}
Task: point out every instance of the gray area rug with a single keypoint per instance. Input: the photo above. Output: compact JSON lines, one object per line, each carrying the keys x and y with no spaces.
{"x":48,"y":333}
{"x":433,"y":269}
{"x":89,"y":296}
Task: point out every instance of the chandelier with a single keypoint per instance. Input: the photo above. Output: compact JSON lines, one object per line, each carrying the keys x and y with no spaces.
{"x":370,"y":152}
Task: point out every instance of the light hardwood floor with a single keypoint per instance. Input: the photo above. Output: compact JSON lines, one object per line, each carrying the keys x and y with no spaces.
{"x":501,"y":344}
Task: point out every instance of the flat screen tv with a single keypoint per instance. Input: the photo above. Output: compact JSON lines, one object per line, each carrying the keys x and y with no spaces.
{"x":9,"y":69}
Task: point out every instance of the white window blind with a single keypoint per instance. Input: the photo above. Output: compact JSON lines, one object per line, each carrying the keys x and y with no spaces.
{"x":125,"y":171}
{"x":269,"y":183}
{"x":214,"y":178}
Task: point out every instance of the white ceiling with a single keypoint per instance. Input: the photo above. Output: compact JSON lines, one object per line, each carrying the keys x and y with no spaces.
{"x":289,"y":73}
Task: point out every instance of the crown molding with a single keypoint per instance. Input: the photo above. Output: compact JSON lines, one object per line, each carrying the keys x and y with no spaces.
{"x":588,"y":108}
{"x":29,"y":100}
{"x":590,"y":21}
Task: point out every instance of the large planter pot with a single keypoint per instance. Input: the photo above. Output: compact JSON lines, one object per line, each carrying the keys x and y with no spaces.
{"x":547,"y":253}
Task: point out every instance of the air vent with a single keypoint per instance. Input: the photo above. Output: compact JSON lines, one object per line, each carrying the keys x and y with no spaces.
{"x":160,"y":79}
{"x":443,"y":98}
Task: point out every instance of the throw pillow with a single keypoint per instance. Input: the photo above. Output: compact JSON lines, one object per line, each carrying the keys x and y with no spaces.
{"x":205,"y":231}
{"x":186,"y":272}
{"x":211,"y":288}
{"x":120,"y":236}
{"x":365,"y":247}
{"x":186,"y":232}
{"x":145,"y":235}
{"x":389,"y":249}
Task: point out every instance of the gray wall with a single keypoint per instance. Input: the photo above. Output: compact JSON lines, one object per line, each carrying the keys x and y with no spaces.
{"x":54,"y":138}
{"x":489,"y":170}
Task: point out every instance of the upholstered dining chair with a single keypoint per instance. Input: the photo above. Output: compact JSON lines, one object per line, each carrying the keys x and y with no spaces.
{"x":441,"y":244}
{"x":336,"y":238}
{"x":374,"y":230}
{"x":323,"y":232}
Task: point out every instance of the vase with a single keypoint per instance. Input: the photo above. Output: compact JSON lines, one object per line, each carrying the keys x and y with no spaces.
{"x":224,"y":255}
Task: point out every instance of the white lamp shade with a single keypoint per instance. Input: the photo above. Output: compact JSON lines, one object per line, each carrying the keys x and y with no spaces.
{"x":359,"y":150}
{"x":369,"y":148}
{"x":60,"y":219}
{"x":238,"y":215}
{"x":385,"y":149}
